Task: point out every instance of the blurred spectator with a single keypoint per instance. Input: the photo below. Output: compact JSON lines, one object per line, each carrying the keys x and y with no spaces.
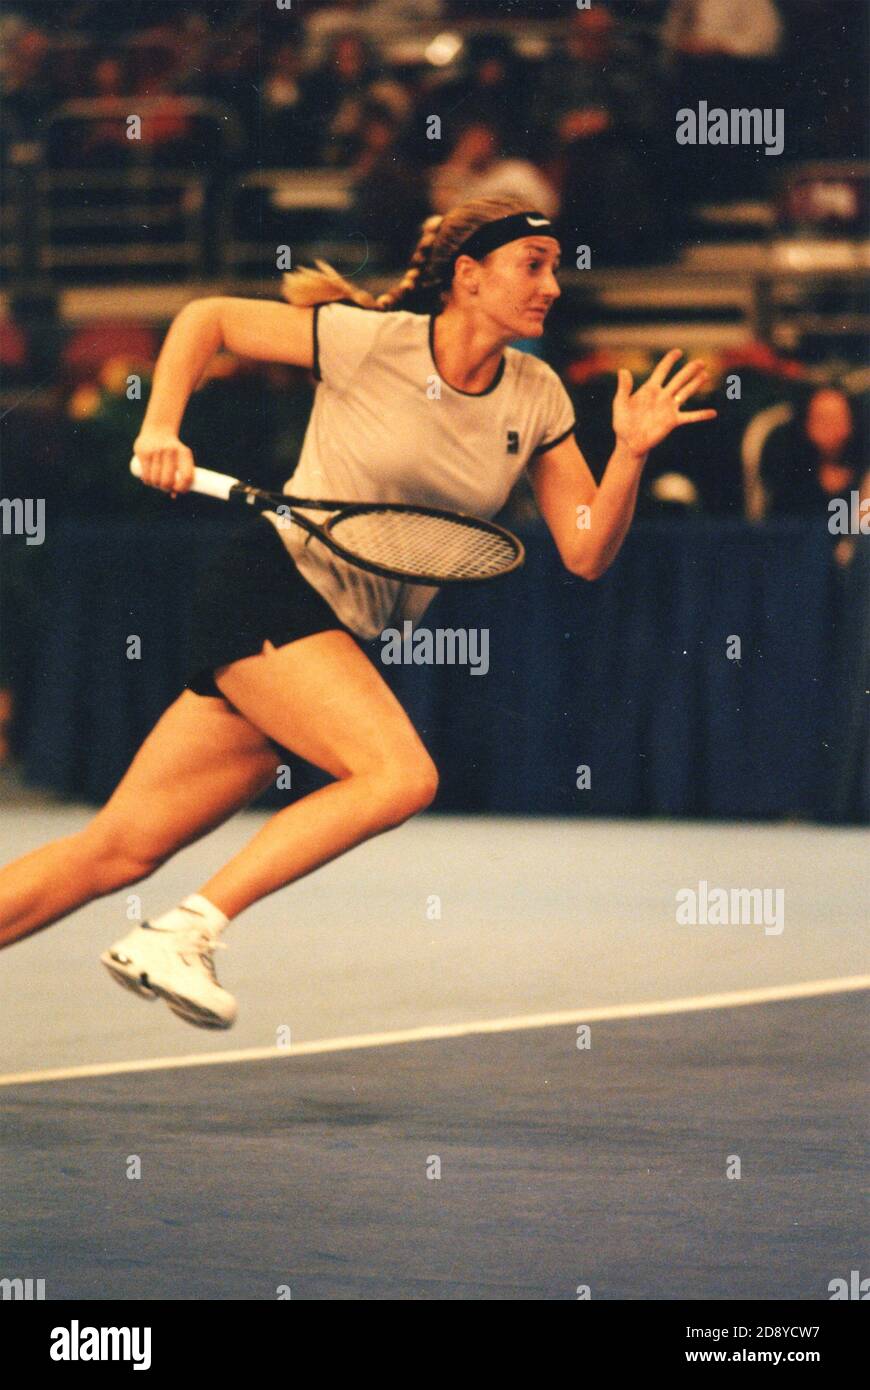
{"x":169,"y":133}
{"x":233,"y":74}
{"x":13,"y":23}
{"x":174,"y":50}
{"x":27,"y":90}
{"x":410,"y":13}
{"x":369,"y":17}
{"x":390,"y":196}
{"x":599,"y":81}
{"x":816,"y":457}
{"x":724,"y":53}
{"x":339,"y":91}
{"x":290,"y":121}
{"x":102,"y":140}
{"x":491,"y":86}
{"x":477,"y":169}
{"x":739,"y":29}
{"x":339,"y":17}
{"x":602,"y":111}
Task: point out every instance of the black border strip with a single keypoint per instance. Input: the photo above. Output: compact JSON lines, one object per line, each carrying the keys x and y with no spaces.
{"x":315,"y":364}
{"x":551,"y":444}
{"x":474,"y":395}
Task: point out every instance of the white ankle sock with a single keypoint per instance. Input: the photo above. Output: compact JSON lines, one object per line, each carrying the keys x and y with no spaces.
{"x":192,"y":911}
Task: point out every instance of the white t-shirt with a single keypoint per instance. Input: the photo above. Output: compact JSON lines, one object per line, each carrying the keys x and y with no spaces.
{"x":385,"y":427}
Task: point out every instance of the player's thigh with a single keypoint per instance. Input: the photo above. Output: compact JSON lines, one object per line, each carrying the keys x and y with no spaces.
{"x":201,"y":762}
{"x":323,"y":699}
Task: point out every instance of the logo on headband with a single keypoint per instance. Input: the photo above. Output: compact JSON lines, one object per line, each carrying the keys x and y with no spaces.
{"x":499,"y":232}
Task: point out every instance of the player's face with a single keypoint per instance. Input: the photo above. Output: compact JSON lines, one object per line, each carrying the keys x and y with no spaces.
{"x":518,"y":285}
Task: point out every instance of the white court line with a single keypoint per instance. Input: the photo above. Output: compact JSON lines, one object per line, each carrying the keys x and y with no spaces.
{"x":771,"y":994}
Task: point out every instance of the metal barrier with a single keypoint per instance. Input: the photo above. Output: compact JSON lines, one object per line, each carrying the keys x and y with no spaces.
{"x":95,"y":219}
{"x":136,"y":213}
{"x":93,"y":109}
{"x":304,"y":209}
{"x":12,"y":222}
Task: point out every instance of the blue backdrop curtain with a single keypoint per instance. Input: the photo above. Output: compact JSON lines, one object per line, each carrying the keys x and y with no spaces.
{"x":629,"y":676}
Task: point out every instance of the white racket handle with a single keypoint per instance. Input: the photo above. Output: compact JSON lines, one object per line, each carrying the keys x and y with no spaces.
{"x":205,"y":481}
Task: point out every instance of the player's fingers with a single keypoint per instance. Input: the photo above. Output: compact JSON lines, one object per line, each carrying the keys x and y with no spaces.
{"x":184,"y":471}
{"x":690,"y":417}
{"x":167,"y":469}
{"x":685,"y":374}
{"x":659,"y":372}
{"x":151,"y":468}
{"x":624,"y":382}
{"x":698,"y":382}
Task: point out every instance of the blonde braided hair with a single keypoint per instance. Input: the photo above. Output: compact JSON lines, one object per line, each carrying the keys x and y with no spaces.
{"x":429,"y":267}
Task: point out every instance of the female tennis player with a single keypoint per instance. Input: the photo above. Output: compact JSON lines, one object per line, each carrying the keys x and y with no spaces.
{"x":433,"y":409}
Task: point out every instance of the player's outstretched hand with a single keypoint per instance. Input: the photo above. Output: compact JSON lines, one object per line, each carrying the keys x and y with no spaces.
{"x":166,"y":462}
{"x":643,"y":418}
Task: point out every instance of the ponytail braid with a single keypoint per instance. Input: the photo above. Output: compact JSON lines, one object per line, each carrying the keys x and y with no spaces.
{"x":427,"y":273}
{"x":415,"y":277}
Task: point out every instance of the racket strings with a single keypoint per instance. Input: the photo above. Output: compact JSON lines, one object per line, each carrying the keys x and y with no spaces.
{"x":428,"y":546}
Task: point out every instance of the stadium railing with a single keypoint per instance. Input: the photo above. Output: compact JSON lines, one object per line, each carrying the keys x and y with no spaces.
{"x":305,"y":211}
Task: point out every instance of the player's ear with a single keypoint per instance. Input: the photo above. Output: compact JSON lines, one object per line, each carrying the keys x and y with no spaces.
{"x":467,"y":273}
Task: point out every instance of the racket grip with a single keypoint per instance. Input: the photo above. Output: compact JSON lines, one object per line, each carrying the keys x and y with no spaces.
{"x":205,"y":481}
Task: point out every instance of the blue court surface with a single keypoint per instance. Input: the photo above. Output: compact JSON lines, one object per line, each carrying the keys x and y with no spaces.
{"x":475,"y":1059}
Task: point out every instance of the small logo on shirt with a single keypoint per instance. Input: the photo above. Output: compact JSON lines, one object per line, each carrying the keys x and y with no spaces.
{"x":513,"y":441}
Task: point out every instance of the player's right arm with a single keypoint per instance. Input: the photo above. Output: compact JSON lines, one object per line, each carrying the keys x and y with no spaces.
{"x":269,"y":332}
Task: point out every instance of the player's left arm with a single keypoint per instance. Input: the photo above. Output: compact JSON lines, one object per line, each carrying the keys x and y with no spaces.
{"x":589,"y":523}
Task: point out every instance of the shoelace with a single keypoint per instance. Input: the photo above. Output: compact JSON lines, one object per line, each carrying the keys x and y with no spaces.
{"x":201,"y":943}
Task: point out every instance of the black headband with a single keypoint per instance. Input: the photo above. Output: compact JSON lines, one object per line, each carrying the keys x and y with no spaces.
{"x":498,"y":233}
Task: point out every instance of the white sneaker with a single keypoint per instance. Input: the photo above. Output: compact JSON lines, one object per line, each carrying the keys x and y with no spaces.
{"x":176,"y":966}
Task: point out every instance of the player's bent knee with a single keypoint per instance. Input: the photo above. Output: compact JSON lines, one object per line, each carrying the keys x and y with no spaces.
{"x":426,"y":785}
{"x":405,"y":790}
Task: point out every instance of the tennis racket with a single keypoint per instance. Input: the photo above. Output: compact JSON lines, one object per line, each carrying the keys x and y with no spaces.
{"x":417,"y":545}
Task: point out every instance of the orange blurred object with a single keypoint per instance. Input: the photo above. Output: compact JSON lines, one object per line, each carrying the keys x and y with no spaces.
{"x":94,"y":344}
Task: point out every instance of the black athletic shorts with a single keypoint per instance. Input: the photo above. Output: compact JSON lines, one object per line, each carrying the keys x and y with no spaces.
{"x":251,"y":592}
